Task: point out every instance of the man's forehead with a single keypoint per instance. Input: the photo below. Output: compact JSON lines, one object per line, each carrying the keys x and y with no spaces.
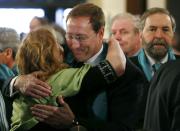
{"x":79,"y":18}
{"x":157,"y":19}
{"x":157,"y":16}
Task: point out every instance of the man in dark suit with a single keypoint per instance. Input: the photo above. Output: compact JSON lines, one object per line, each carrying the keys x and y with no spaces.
{"x":157,"y":30}
{"x":162,"y":111}
{"x":84,"y":38}
{"x":85,"y":30}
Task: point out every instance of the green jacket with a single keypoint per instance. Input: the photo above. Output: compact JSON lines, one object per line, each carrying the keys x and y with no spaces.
{"x":66,"y":82}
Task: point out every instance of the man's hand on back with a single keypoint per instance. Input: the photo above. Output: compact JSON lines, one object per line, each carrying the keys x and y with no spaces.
{"x":58,"y":117}
{"x":31,"y":86}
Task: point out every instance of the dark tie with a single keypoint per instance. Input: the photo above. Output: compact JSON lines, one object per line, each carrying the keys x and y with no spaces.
{"x":156,"y":66}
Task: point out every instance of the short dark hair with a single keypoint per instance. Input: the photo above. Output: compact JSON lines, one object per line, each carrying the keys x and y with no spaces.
{"x":156,"y":10}
{"x":95,"y":13}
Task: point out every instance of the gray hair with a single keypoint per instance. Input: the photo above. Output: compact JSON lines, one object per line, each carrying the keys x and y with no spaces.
{"x":9,"y":38}
{"x":135,"y":19}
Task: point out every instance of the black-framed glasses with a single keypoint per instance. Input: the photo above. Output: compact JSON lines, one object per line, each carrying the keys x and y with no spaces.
{"x":78,"y":37}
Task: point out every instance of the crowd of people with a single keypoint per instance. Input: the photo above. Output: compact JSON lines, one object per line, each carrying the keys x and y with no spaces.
{"x":74,"y":80}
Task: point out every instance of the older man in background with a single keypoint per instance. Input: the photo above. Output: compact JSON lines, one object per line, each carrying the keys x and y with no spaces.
{"x":125,"y":29}
{"x":9,"y":42}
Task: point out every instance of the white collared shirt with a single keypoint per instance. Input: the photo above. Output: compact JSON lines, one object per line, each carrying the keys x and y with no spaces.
{"x":152,"y":61}
{"x":92,"y":59}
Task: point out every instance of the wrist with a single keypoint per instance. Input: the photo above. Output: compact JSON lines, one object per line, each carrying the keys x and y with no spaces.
{"x":75,"y":122}
{"x":107,"y":71}
{"x":13,"y":82}
{"x":76,"y":126}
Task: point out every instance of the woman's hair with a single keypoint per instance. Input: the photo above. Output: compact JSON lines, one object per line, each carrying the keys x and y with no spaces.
{"x":39,"y":52}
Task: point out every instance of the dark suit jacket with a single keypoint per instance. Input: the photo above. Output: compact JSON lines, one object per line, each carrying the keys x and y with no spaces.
{"x":124,"y":100}
{"x":163,"y":104}
{"x":146,"y":84}
{"x":146,"y":87}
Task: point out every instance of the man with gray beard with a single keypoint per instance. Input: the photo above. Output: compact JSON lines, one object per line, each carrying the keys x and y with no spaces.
{"x":157,"y":28}
{"x":157,"y":32}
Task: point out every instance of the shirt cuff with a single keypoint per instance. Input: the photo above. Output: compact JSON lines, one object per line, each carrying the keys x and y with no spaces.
{"x":12,"y":90}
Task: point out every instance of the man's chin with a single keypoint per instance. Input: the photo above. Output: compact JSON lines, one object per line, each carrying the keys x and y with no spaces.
{"x":80,"y":59}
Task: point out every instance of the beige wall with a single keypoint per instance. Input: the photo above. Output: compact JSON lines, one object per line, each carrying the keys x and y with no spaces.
{"x":156,"y":3}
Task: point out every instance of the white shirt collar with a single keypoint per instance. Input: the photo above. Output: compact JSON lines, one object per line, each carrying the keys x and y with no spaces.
{"x":152,"y":61}
{"x":92,"y":59}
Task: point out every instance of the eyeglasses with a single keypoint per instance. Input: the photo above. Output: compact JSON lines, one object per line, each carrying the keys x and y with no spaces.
{"x":79,"y":38}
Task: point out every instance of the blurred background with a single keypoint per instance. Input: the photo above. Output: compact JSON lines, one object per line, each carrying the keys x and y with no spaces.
{"x":17,"y":14}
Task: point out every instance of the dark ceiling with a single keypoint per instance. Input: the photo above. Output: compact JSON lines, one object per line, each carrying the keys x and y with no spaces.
{"x":39,"y":3}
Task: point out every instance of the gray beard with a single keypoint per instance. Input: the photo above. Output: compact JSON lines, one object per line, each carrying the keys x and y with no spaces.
{"x":156,"y":54}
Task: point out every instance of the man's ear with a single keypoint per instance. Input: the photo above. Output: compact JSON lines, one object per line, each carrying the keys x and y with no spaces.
{"x":140,"y":34}
{"x":101,"y":32}
{"x":8,"y":52}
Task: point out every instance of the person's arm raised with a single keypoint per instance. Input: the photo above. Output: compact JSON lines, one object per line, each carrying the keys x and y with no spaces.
{"x":116,"y":56}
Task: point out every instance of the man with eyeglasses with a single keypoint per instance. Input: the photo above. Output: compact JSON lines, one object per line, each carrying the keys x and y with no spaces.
{"x":118,"y":106}
{"x":107,"y":110}
{"x":9,"y":41}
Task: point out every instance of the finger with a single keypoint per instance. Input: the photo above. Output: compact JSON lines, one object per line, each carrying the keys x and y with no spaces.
{"x":65,"y":107}
{"x":46,"y":119}
{"x":39,"y":116}
{"x":34,"y":95}
{"x":37,"y":91}
{"x":44,"y":115}
{"x":60,"y":100}
{"x":39,"y":119}
{"x":42,"y":84}
{"x":38,"y":87}
{"x":41,"y":113}
{"x":50,"y":112}
{"x":44,"y":107}
{"x":63,"y":103}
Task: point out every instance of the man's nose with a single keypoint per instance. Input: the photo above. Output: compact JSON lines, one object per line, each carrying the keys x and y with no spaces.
{"x":117,"y":36}
{"x":75,"y":43}
{"x":158,"y":33}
